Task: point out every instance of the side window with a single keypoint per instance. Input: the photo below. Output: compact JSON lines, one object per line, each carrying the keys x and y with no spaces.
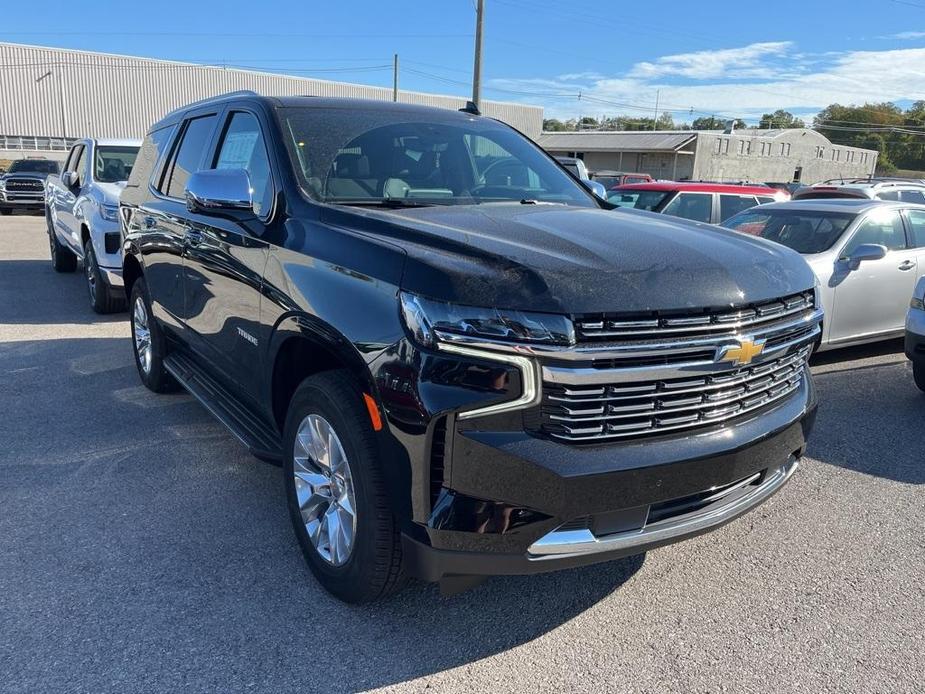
{"x":188,"y":155}
{"x":733,"y":204}
{"x":152,"y":149}
{"x":915,"y":196}
{"x":917,"y":227}
{"x":81,"y":167}
{"x":695,"y":206}
{"x":883,"y":227}
{"x":888,"y":195}
{"x":243,"y":148}
{"x":72,"y":158}
{"x":764,"y":199}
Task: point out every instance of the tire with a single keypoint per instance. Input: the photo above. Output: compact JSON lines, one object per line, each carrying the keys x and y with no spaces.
{"x":6,"y":211}
{"x":372,"y":567}
{"x":62,"y":259}
{"x":918,"y":373}
{"x":150,"y":363}
{"x":102,"y":298}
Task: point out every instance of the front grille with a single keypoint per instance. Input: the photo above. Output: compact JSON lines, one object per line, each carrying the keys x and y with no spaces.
{"x":632,"y":409}
{"x":24,"y":185}
{"x":751,"y":317}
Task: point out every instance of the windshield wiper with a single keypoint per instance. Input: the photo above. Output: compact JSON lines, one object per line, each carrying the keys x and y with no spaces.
{"x":534,"y":201}
{"x":392,"y":203}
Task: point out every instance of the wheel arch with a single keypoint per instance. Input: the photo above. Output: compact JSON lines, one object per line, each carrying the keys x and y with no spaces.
{"x":131,"y":272}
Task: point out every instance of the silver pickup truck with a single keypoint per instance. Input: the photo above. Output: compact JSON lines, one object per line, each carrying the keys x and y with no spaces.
{"x":82,"y":214}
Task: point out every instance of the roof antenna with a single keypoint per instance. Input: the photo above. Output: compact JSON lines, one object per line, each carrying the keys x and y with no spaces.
{"x":470,"y":107}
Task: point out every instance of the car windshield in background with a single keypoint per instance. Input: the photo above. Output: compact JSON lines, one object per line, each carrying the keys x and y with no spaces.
{"x":804,"y":232}
{"x":113,"y":164}
{"x":364,"y":157}
{"x":41,"y":166}
{"x":639,"y":199}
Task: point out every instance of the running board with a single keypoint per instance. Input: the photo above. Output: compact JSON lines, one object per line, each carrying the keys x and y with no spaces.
{"x":261,"y":440}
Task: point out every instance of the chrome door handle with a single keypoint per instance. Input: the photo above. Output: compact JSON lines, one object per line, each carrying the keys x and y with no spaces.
{"x":148,"y":222}
{"x":907,"y":265}
{"x":193,"y":237}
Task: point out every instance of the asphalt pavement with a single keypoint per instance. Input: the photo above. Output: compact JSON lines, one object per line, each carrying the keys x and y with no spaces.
{"x":142,"y":549}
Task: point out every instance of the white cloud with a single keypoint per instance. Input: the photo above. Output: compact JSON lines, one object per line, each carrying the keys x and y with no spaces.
{"x":905,"y":35}
{"x":747,"y":61}
{"x":742,"y":82}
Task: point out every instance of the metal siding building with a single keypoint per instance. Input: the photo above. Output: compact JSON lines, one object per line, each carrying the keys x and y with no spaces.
{"x":85,"y":94}
{"x":797,"y":154}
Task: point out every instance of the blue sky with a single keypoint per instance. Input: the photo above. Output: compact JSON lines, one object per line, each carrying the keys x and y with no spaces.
{"x":731,"y":59}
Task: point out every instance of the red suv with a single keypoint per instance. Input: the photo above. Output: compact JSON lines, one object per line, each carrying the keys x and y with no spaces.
{"x":702,"y":202}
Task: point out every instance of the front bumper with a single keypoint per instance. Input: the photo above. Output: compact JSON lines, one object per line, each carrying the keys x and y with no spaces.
{"x":22,"y":201}
{"x":112,"y":276}
{"x":515,"y":504}
{"x":915,"y":335}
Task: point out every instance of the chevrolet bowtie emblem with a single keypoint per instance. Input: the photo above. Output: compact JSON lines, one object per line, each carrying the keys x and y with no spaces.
{"x":742,"y":353}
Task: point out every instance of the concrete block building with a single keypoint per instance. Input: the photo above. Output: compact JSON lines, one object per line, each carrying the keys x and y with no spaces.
{"x":749,"y":155}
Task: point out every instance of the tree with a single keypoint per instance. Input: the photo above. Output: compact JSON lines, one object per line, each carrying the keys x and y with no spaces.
{"x":780,"y":119}
{"x":713,"y":123}
{"x":553,"y":125}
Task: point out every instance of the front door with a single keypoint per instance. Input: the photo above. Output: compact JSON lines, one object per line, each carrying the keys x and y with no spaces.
{"x":873,"y":299}
{"x":66,"y":199}
{"x":224,"y":261}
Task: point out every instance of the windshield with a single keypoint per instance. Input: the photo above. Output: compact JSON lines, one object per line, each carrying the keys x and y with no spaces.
{"x":369,"y":156}
{"x":42,"y":166}
{"x":639,"y":199}
{"x":113,"y":164}
{"x":805,"y":232}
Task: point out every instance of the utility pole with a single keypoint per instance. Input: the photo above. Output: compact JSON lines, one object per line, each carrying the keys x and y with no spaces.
{"x":395,"y":77}
{"x":477,"y":66}
{"x":655,"y":122}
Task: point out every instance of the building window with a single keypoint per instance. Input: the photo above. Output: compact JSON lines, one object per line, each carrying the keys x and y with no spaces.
{"x":725,"y":145}
{"x":716,"y":145}
{"x":741,"y":146}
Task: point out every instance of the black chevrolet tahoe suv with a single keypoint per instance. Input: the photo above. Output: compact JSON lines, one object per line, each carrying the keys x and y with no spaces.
{"x":465,"y":365}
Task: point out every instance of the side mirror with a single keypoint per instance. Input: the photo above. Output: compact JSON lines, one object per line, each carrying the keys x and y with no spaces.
{"x":597,"y":188}
{"x":215,"y":190}
{"x":866,"y":251}
{"x":69,"y":179}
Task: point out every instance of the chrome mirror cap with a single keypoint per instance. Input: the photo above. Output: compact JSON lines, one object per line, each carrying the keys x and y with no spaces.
{"x":213,"y":190}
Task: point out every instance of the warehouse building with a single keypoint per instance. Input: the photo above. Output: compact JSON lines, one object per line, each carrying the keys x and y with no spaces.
{"x":51,"y":96}
{"x":799,"y":155}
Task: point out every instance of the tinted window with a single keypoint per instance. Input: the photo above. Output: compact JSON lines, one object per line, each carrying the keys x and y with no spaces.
{"x":915,"y":196}
{"x":730,"y":205}
{"x":72,"y":158}
{"x":148,"y":156}
{"x":695,"y":206}
{"x":804,"y":232}
{"x":636,"y":179}
{"x":243,"y":148}
{"x":639,"y":199}
{"x":368,"y":155}
{"x":917,"y":227}
{"x":189,"y":155}
{"x":112,"y":164}
{"x":764,"y":199}
{"x":888,"y":195}
{"x":81,"y":166}
{"x":883,"y":227}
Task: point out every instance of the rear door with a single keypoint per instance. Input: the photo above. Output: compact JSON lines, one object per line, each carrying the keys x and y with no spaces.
{"x":730,"y":204}
{"x":915,"y":224}
{"x":873,"y":299}
{"x":224,"y":260}
{"x":162,"y":219}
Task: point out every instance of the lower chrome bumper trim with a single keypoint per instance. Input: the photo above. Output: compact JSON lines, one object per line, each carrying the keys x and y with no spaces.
{"x":585,"y":542}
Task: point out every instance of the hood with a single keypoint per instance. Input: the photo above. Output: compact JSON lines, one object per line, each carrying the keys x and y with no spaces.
{"x":583,"y":260}
{"x":110,"y":191}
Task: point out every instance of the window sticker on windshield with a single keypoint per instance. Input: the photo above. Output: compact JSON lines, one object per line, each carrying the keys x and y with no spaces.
{"x":237,"y":150}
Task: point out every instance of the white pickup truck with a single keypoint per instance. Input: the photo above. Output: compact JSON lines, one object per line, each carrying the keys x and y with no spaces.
{"x":82,"y":214}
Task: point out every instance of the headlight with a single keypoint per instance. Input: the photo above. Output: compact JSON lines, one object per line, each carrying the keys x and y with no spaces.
{"x":430,"y":321}
{"x":2,"y":184}
{"x":109,"y":212}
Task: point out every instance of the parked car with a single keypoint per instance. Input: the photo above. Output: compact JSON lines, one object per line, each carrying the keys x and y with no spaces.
{"x":867,"y":255}
{"x":878,"y":190}
{"x":610,"y":179}
{"x":465,"y":369}
{"x":82,"y":216}
{"x":577,"y":168}
{"x":701,"y":202}
{"x":915,"y":333}
{"x":23,"y":186}
{"x":790,"y":188}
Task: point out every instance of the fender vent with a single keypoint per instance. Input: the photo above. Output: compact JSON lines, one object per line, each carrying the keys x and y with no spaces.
{"x":437,"y":455}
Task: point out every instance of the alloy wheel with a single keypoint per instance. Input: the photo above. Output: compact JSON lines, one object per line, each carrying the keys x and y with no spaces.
{"x":90,"y":264}
{"x":324,"y":489}
{"x":141,"y":334}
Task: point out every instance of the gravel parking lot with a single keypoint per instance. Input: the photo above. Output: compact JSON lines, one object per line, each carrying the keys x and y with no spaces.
{"x":142,"y":549}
